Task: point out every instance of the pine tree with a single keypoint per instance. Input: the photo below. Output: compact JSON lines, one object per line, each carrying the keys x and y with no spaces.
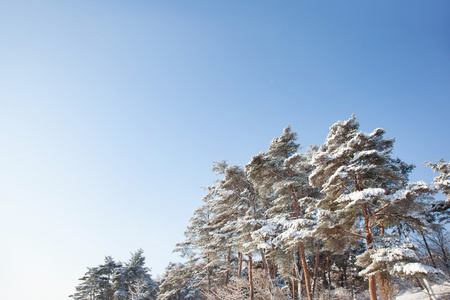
{"x":177,"y":283}
{"x":134,"y":278}
{"x":115,"y":280}
{"x":441,"y":208}
{"x":356,"y":173}
{"x":97,"y":282}
{"x":87,"y":289}
{"x":229,"y":205}
{"x":345,"y":196}
{"x":200,"y":250}
{"x":443,"y":180}
{"x":280,"y":175}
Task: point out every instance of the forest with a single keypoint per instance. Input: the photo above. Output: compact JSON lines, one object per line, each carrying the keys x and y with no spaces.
{"x":337,"y":221}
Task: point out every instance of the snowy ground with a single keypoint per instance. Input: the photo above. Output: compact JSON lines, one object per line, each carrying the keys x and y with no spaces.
{"x":442,"y":292}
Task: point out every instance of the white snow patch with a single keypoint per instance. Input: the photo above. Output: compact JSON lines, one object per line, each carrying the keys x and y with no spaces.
{"x":442,"y":292}
{"x":411,"y":269}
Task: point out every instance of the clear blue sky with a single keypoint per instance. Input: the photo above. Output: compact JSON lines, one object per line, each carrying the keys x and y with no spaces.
{"x":112,"y":112}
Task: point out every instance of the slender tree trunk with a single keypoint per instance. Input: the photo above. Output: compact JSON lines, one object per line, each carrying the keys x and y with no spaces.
{"x":250,"y":275}
{"x":294,"y":296}
{"x":208,"y":274}
{"x":420,"y":283}
{"x":316,"y":267}
{"x":428,"y":248}
{"x":305,"y":270}
{"x":329,"y":270}
{"x":266,"y":271}
{"x":239,"y":264}
{"x":429,"y":289}
{"x":372,"y":288}
{"x":351,"y":285}
{"x":444,"y":253}
{"x":264,"y":261}
{"x":299,"y":289}
{"x":302,"y":248}
{"x":227,"y":274}
{"x":324,"y":273}
{"x":441,"y":243}
{"x":344,"y":271}
{"x":369,"y":239}
{"x":384,"y":280}
{"x":272,"y":268}
{"x":299,"y":276}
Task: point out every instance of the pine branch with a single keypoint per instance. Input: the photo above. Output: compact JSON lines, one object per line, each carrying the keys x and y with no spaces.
{"x":354,"y":234}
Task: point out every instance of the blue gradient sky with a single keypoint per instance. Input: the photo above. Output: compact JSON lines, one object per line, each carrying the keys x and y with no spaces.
{"x":112,"y":112}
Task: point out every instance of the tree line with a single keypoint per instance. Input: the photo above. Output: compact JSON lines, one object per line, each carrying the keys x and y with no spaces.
{"x":338,"y":220}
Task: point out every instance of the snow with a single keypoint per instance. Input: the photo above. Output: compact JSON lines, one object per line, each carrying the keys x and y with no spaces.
{"x":362,"y":196}
{"x":365,"y":154}
{"x":378,"y":131}
{"x":442,"y":292}
{"x":394,"y":254}
{"x":414,"y":268}
{"x":264,"y":246}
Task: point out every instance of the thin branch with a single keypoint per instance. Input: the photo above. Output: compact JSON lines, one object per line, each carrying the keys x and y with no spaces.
{"x":389,"y":204}
{"x":354,"y":234}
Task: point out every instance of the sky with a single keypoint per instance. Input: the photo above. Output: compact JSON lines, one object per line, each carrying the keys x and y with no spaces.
{"x":113,"y":112}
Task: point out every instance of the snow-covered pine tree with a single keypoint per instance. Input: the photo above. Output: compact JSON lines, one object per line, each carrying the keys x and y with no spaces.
{"x":228,"y":207}
{"x":249,"y":235}
{"x":134,"y":278}
{"x":97,"y":282}
{"x":177,"y":282}
{"x":200,"y":250}
{"x":88,"y":288}
{"x":118,"y":281}
{"x":443,"y":179}
{"x":280,"y":173}
{"x":238,"y":215}
{"x":356,"y":173}
{"x":298,"y":224}
{"x":441,"y":208}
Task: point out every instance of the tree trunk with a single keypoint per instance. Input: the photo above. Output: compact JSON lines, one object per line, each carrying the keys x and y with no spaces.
{"x":272,"y":268}
{"x":428,"y":248}
{"x":266,"y":271}
{"x":372,"y":288}
{"x":351,"y":285}
{"x":227,"y":274}
{"x":294,"y":296}
{"x":385,"y":289}
{"x":442,"y":244}
{"x":369,"y":240}
{"x":208,"y":274}
{"x":324,"y":273}
{"x":250,"y":275}
{"x":329,"y":270}
{"x":429,"y":289}
{"x":302,"y":248}
{"x":344,"y":273}
{"x":316,"y":268}
{"x":299,"y":289}
{"x":239,"y":264}
{"x":299,"y":277}
{"x":305,"y":270}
